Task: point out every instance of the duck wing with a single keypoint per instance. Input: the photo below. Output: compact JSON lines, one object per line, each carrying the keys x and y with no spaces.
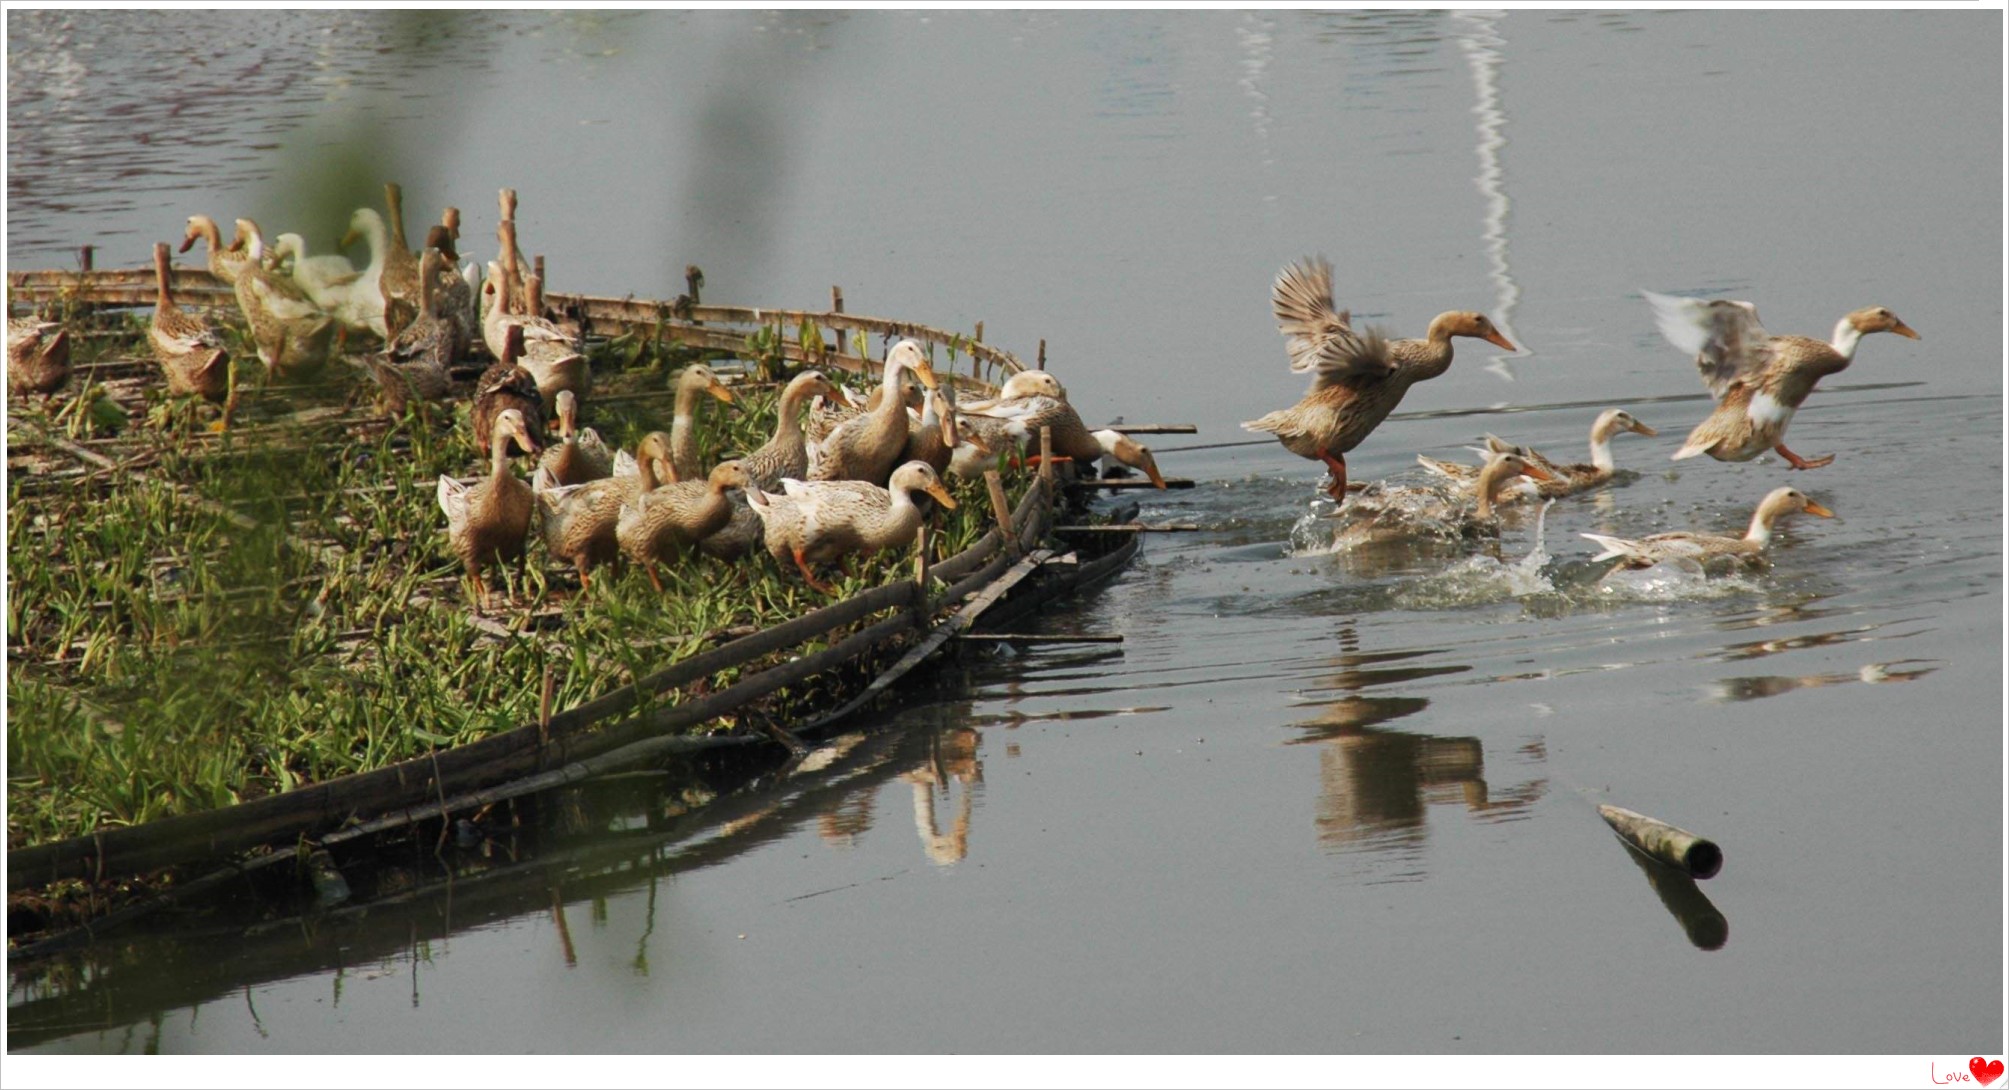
{"x":1319,"y":337}
{"x":1724,"y":334}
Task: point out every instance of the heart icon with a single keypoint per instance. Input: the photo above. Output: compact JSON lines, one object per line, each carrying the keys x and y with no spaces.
{"x":1985,"y":1073}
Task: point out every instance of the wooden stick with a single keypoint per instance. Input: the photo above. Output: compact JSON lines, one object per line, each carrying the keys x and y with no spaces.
{"x":1678,"y":848}
{"x":1153,"y":429}
{"x":1127,"y":482}
{"x":1000,"y":509}
{"x":836,"y":299}
{"x":1131,"y":528}
{"x":1031,"y":637}
{"x":1046,"y":454}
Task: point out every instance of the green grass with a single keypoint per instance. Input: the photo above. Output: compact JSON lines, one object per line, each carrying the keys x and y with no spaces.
{"x":279,"y":605}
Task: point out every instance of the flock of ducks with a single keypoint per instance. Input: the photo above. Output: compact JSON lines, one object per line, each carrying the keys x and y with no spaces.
{"x":1758,"y":380}
{"x":840,"y":477}
{"x":843,"y":477}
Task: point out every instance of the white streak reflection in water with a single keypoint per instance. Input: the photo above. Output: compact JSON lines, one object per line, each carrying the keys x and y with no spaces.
{"x":1480,"y":45}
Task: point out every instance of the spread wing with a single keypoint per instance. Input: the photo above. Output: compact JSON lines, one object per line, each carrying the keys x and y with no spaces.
{"x":1728,"y":343}
{"x":1317,"y":336}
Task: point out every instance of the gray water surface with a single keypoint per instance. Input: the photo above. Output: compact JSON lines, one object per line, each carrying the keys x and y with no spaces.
{"x":1317,"y":801}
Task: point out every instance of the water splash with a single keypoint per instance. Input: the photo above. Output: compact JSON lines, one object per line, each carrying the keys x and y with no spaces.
{"x":1679,"y":579}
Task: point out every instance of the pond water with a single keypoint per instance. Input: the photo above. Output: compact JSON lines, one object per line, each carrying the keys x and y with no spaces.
{"x":1316,"y":801}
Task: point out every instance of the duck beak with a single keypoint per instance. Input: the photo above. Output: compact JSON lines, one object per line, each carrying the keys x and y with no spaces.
{"x":348,"y":239}
{"x":718,"y":390}
{"x":1643,"y":429}
{"x":927,"y":375}
{"x":188,"y":240}
{"x":1496,"y":338}
{"x":1141,"y":459}
{"x":1903,"y":330}
{"x":941,"y":494}
{"x":840,"y":395}
{"x":1816,"y":509}
{"x":1537,"y":472}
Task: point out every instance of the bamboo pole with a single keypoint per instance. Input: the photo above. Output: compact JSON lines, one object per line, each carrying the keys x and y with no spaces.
{"x":994,"y":484}
{"x":1678,"y":848}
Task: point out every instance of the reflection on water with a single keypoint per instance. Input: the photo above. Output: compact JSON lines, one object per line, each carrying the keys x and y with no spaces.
{"x":1480,"y":40}
{"x":1875,"y":673}
{"x":1691,"y":908}
{"x":1375,"y":785}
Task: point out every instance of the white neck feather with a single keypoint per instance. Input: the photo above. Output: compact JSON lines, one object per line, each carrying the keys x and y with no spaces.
{"x":1846,"y":336}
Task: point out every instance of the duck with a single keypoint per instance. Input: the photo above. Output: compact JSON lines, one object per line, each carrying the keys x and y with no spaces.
{"x":1757,"y":378}
{"x":581,"y":521}
{"x":416,"y":364}
{"x":506,"y":386}
{"x":815,"y":521}
{"x":685,"y":462}
{"x":488,"y":522}
{"x":455,"y":293}
{"x":1357,"y":379}
{"x":984,"y":435}
{"x":580,"y":455}
{"x":400,"y":280}
{"x":323,"y":278}
{"x":1748,"y":550}
{"x":931,"y":432}
{"x":498,"y":317}
{"x":225,"y":262}
{"x":664,"y":523}
{"x":786,"y":454}
{"x":189,"y":348}
{"x":1565,"y":479}
{"x":1071,"y":439}
{"x":38,"y":355}
{"x":360,"y":305}
{"x":291,"y":334}
{"x":869,"y":446}
{"x":1382,"y":513}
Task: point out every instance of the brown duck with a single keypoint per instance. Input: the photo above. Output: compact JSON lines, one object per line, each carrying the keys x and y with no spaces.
{"x":1357,"y":379}
{"x":488,"y":522}
{"x":508,"y":386}
{"x":1758,"y":380}
{"x":188,"y":347}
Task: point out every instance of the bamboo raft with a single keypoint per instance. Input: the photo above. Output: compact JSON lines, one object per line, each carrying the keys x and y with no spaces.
{"x":1017,"y":564}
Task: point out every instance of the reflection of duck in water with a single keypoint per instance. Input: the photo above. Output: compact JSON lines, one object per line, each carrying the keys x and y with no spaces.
{"x":1702,"y":548}
{"x":954,"y":759}
{"x":1385,"y":513}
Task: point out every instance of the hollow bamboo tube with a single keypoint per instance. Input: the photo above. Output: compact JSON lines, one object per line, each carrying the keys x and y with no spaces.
{"x":1678,"y":848}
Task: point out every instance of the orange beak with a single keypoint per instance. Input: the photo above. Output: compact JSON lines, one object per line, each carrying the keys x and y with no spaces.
{"x":1816,"y":509}
{"x":942,"y":494}
{"x":1496,"y":338}
{"x":1537,"y":472}
{"x":1903,"y":330}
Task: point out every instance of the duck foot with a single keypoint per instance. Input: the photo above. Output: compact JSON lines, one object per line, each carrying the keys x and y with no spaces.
{"x":1798,"y":462}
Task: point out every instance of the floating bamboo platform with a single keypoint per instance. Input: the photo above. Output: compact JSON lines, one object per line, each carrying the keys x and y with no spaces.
{"x":1019,"y":563}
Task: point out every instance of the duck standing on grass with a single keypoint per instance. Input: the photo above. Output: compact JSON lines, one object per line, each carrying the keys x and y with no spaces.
{"x":813,"y":521}
{"x":1357,"y":380}
{"x":188,"y":347}
{"x":1749,"y":549}
{"x":488,"y":522}
{"x":666,"y":522}
{"x":1758,"y":380}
